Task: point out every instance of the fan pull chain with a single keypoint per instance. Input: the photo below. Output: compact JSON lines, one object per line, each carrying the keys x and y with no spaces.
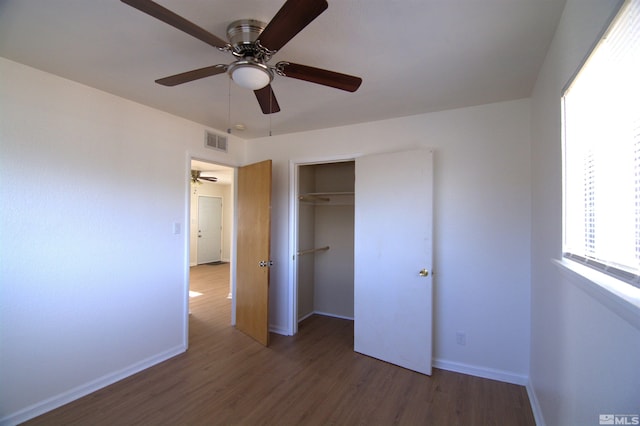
{"x":270,"y":107}
{"x":229,"y":110}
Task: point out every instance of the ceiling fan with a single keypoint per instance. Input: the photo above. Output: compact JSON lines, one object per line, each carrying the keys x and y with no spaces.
{"x":197,"y":177}
{"x":254,"y":43}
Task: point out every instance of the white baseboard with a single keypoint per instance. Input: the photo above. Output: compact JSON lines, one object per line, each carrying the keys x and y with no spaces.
{"x":328,"y":314}
{"x":484,"y":372}
{"x":535,"y":405}
{"x":87,"y":388}
{"x":221,"y":260}
{"x":305,"y":317}
{"x":285,"y":332}
{"x":279,"y":330}
{"x":500,"y":375}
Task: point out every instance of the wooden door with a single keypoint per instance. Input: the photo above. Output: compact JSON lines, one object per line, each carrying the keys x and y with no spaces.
{"x":254,"y":237}
{"x":393,"y":258}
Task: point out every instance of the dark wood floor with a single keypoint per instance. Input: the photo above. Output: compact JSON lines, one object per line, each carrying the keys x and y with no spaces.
{"x":313,"y":378}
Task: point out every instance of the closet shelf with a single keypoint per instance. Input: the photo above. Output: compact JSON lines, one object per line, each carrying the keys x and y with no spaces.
{"x":333,"y":198}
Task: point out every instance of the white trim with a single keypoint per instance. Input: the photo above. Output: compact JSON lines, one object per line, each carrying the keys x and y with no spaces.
{"x":618,"y":296}
{"x":293,"y":247}
{"x":279,"y":330}
{"x":328,"y":314}
{"x":305,"y":317}
{"x":325,"y":314}
{"x":186,"y":229}
{"x":484,"y":372}
{"x":535,"y":405}
{"x":234,"y":246}
{"x":85,"y":389}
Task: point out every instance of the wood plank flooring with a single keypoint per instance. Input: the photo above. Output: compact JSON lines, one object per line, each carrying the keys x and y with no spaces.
{"x":313,"y":378}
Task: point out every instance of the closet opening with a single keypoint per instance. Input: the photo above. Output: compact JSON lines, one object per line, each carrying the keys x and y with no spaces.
{"x":324,"y":240}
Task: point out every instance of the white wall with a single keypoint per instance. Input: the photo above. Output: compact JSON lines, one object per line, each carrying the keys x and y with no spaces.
{"x":584,"y":358}
{"x":91,"y":186}
{"x":482,"y":224}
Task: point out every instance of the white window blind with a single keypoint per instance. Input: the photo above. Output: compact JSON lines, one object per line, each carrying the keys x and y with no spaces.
{"x":601,"y":153}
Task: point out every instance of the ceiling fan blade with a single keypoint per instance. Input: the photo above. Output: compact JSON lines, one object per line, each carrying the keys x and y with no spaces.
{"x":267,"y":100}
{"x":160,"y":12}
{"x":292,"y":17}
{"x":185,"y":77}
{"x":334,"y":79}
{"x":209,"y":179}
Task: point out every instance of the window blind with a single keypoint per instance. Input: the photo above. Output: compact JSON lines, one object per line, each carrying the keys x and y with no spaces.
{"x":601,"y":153}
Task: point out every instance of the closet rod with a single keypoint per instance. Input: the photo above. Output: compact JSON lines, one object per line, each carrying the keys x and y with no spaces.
{"x":313,"y":250}
{"x":313,"y":198}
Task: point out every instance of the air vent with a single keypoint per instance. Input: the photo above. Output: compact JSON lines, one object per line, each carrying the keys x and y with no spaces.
{"x":215,"y":141}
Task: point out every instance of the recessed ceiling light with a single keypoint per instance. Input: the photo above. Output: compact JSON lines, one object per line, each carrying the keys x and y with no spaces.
{"x":239,"y":126}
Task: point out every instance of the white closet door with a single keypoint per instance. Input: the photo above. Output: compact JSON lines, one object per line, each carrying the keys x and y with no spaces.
{"x":393,"y":252}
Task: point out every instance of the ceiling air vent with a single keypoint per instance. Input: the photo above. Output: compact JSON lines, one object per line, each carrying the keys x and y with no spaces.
{"x":215,"y":141}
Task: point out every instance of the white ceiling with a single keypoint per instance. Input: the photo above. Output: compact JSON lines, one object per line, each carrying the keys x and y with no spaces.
{"x":415,"y":56}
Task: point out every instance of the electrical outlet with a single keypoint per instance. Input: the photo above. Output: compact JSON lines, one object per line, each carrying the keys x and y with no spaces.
{"x":461,"y":338}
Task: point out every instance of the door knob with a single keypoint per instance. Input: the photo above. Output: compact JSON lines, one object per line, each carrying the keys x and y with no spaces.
{"x":423,"y":273}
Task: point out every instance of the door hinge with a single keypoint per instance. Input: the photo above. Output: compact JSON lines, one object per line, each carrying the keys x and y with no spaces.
{"x":266,"y":263}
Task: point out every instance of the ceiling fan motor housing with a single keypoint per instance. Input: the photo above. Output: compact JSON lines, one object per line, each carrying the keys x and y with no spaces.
{"x":242,"y":35}
{"x":251,"y":71}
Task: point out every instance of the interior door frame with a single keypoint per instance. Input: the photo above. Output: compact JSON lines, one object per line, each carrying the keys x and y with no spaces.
{"x":294,"y":166}
{"x":187,"y":239}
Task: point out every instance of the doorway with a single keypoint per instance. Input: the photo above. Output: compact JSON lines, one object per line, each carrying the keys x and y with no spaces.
{"x":392,"y":254}
{"x":211,"y":215}
{"x":241,"y":188}
{"x":324,"y":240}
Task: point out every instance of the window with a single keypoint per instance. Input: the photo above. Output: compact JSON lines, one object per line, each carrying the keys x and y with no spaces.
{"x":601,"y":153}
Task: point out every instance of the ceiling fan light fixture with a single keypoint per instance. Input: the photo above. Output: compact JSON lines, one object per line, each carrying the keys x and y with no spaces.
{"x":250,"y":74}
{"x":253,"y":43}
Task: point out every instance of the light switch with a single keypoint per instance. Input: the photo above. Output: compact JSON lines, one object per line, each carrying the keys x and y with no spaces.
{"x":176,"y":228}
